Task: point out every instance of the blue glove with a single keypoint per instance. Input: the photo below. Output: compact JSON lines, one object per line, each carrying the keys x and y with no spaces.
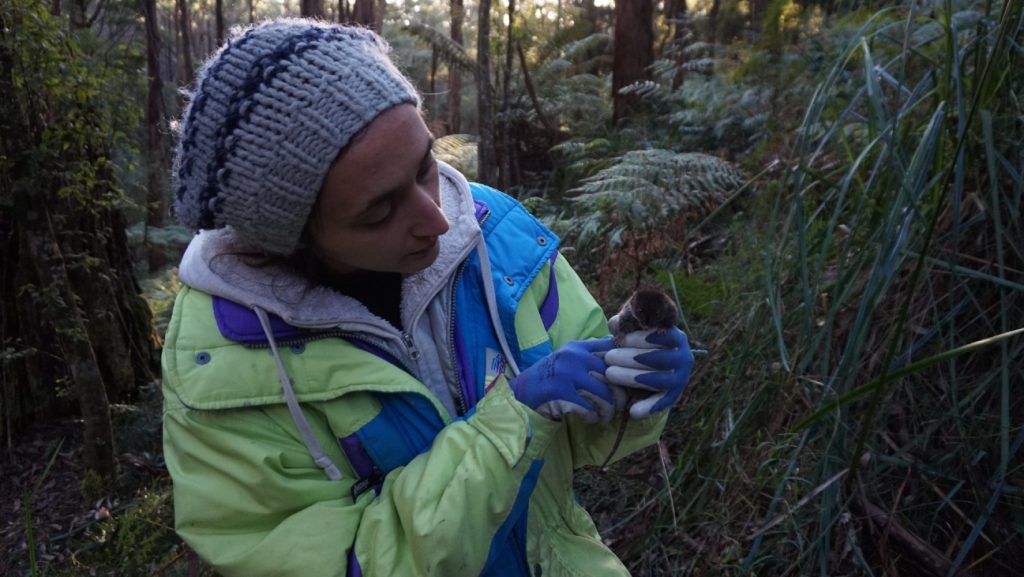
{"x":653,"y":365}
{"x":568,"y":381}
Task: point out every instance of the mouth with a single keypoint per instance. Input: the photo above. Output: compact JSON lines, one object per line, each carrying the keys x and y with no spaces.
{"x":424,"y":251}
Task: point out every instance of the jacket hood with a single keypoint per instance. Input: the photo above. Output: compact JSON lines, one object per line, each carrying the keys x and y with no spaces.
{"x":212,"y":264}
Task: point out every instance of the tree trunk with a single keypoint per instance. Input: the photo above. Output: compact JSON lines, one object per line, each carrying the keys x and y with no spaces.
{"x":676,"y":10}
{"x":156,"y":157}
{"x":757,"y":11}
{"x":634,"y":50}
{"x":363,"y":13}
{"x":505,"y":130}
{"x":378,"y":21}
{"x":712,"y":29}
{"x":185,"y":43}
{"x":589,"y":15}
{"x":435,"y":99}
{"x":73,"y":326}
{"x":73,"y":341}
{"x":458,"y":12}
{"x":311,"y":8}
{"x":219,"y":10}
{"x":486,"y":166}
{"x":551,"y":129}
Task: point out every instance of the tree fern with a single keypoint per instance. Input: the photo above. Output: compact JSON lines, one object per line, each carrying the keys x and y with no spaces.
{"x":643,"y":203}
{"x":458,"y":150}
{"x":446,"y":48}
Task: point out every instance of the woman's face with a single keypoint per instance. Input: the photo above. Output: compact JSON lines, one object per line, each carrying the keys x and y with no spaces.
{"x":379,"y":208}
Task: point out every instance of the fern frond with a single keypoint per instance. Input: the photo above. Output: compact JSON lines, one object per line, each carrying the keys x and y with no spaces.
{"x":704,"y":66}
{"x":458,"y":150}
{"x":646,"y":187}
{"x":447,"y":49}
{"x":586,"y":48}
{"x":699,"y":49}
{"x":643,"y":89}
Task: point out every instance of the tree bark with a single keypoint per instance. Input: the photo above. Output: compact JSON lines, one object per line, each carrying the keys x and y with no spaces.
{"x":676,"y":10}
{"x":378,"y":21}
{"x":505,"y":155}
{"x":486,"y":165}
{"x":458,"y":13}
{"x":311,"y":8}
{"x":589,"y":15}
{"x":185,"y":43}
{"x":73,"y":326}
{"x":712,"y":28}
{"x":551,"y":129}
{"x":363,"y":13}
{"x":219,"y":15}
{"x":156,"y":162}
{"x":435,"y":99}
{"x":634,"y":50}
{"x":73,"y":341}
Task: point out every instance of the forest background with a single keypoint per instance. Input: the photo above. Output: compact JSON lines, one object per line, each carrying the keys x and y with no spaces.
{"x":831,"y":190}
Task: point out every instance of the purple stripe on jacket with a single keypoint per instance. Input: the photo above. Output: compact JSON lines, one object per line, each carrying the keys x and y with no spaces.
{"x":240,"y":324}
{"x":549,"y":308}
{"x":357,"y":455}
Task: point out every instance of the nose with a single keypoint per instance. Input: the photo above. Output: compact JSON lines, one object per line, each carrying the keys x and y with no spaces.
{"x":430,"y":220}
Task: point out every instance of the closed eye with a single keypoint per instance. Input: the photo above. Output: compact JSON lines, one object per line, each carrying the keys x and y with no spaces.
{"x":428,"y":164}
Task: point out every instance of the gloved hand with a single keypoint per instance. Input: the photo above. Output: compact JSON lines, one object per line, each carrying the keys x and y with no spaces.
{"x":568,"y":381}
{"x":652,"y":367}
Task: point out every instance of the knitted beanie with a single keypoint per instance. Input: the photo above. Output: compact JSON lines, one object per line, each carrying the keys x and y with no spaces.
{"x":269,"y":115}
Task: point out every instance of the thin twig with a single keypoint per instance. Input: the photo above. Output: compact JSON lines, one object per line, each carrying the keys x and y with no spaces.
{"x":778,"y":519}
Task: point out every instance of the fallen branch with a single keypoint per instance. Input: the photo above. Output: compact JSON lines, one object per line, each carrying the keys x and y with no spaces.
{"x":929,"y":558}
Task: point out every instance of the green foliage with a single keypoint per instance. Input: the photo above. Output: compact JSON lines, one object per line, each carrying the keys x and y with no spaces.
{"x":135,"y":540}
{"x":643,"y":203}
{"x":160,"y":292}
{"x":458,"y":150}
{"x":73,"y":103}
{"x":868,"y":382}
{"x":863,"y":319}
{"x":26,"y":510}
{"x":571,"y":83}
{"x":451,"y":53}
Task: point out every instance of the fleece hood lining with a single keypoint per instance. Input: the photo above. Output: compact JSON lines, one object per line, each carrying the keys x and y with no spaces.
{"x":212,"y":264}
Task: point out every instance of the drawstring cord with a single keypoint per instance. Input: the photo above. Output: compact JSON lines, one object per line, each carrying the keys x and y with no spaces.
{"x":492,"y":306}
{"x":312,"y":445}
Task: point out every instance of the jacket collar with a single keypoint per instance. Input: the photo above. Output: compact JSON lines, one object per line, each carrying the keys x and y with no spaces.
{"x":210,"y":265}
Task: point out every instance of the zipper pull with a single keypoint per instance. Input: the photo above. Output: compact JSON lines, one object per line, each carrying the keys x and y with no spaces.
{"x":414,"y":354}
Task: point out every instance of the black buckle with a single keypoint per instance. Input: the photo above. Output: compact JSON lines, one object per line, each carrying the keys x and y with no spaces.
{"x":365,"y":484}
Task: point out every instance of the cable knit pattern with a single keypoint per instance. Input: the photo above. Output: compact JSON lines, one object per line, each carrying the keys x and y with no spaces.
{"x":270,"y":113}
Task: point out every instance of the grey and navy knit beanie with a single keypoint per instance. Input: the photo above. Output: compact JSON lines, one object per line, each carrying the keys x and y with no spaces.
{"x":270,"y":112}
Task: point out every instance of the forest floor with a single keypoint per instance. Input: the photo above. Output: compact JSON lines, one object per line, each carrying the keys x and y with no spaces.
{"x":80,"y":526}
{"x":57,"y":509}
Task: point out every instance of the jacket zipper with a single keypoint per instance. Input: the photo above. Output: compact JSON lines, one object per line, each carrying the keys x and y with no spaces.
{"x":460,"y":398}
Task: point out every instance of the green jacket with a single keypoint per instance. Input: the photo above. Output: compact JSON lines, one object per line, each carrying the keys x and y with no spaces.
{"x":251,"y":500}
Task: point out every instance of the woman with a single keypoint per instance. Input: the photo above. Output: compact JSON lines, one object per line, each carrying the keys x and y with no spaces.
{"x":374,"y":367}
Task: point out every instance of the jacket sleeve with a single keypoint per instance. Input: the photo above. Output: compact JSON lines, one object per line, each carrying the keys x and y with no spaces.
{"x":580,"y":317}
{"x":249,"y":499}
